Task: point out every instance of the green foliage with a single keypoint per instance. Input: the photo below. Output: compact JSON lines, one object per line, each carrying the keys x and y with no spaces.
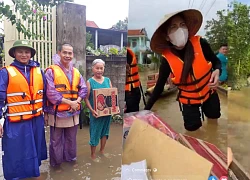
{"x":2,"y":53}
{"x":121,"y":25}
{"x":29,"y":10}
{"x":52,"y":2}
{"x":233,"y":28}
{"x":156,"y":60}
{"x":85,"y":109}
{"x":123,"y":52}
{"x":141,"y":67}
{"x":239,"y":41}
{"x":95,"y":52}
{"x":216,"y":30}
{"x":113,"y":51}
{"x":117,"y":119}
{"x":89,"y":40}
{"x":81,"y":70}
{"x":1,"y":49}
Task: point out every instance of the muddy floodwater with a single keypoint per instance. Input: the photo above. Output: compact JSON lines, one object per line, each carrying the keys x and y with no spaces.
{"x":232,"y":129}
{"x":239,"y":126}
{"x":85,"y":168}
{"x":168,"y":109}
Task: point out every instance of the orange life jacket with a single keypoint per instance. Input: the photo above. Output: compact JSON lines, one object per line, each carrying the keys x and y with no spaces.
{"x":133,"y":79}
{"x":196,"y":90}
{"x":62,"y":85}
{"x":24,"y":101}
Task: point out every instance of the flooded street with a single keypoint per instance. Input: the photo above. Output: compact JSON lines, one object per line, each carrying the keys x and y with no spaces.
{"x":239,"y":125}
{"x":85,"y":168}
{"x":234,"y":132}
{"x":168,"y":109}
{"x":232,"y":129}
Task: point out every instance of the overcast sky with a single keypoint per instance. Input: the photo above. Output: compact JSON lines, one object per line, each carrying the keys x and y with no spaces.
{"x":105,"y":13}
{"x":144,"y":13}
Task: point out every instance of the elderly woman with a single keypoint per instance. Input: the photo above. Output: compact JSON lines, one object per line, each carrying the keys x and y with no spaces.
{"x":193,"y":66}
{"x":99,"y":126}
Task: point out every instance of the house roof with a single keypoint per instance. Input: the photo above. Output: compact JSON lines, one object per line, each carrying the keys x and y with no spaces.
{"x":136,"y":32}
{"x":91,"y":24}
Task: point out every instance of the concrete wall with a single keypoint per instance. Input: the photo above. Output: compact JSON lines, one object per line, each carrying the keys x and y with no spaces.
{"x":71,"y":28}
{"x":115,"y":70}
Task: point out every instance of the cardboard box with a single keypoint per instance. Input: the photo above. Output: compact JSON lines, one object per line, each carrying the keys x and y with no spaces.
{"x":152,"y":79}
{"x":150,"y":118}
{"x":106,"y":101}
{"x":214,"y":155}
{"x":166,"y":158}
{"x":208,"y":151}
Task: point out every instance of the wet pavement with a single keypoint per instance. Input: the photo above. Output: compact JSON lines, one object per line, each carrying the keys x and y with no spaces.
{"x":85,"y":168}
{"x":168,"y":109}
{"x":239,"y":126}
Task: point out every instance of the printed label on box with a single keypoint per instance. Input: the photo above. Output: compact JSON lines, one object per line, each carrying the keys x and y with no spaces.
{"x":106,"y":101}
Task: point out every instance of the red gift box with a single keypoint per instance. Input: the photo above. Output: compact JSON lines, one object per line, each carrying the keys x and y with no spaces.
{"x":208,"y":151}
{"x":152,"y":119}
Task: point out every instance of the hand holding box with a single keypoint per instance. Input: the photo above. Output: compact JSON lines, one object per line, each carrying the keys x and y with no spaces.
{"x":106,"y":101}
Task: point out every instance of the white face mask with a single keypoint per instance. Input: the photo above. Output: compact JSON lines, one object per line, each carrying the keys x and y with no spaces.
{"x":179,"y":37}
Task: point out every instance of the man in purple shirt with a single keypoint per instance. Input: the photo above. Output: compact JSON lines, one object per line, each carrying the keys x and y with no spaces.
{"x":66,"y":89}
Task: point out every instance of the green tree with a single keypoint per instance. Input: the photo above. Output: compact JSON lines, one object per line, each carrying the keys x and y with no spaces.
{"x":235,"y":29}
{"x":29,"y":10}
{"x":52,"y":2}
{"x":89,"y":42}
{"x":239,"y":41}
{"x":121,"y":25}
{"x":216,"y":30}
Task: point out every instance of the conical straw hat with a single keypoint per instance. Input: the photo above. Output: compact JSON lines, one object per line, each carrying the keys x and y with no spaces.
{"x":193,"y":19}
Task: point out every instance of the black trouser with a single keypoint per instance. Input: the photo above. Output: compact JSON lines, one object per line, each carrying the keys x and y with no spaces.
{"x":133,"y":99}
{"x":192,"y":115}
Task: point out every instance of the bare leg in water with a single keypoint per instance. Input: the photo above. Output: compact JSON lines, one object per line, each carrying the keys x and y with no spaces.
{"x":93,"y":155}
{"x":93,"y":149}
{"x":103,"y":143}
